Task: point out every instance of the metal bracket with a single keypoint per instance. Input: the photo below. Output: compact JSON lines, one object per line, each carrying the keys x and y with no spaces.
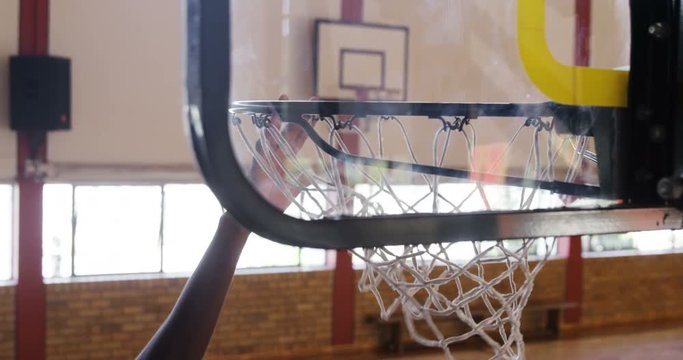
{"x":37,"y":170}
{"x":652,"y":132}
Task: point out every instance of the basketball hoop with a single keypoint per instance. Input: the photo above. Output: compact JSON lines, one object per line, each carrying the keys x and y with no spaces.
{"x":428,"y":194}
{"x":427,"y":281}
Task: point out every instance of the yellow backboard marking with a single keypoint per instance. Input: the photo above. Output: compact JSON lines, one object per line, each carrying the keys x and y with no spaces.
{"x":571,"y":85}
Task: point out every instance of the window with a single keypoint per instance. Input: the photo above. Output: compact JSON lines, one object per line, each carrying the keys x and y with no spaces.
{"x":116,"y":229}
{"x":644,"y":241}
{"x":95,"y":230}
{"x":6,"y":231}
{"x":57,"y":230}
{"x":191,"y":214}
{"x":261,"y":252}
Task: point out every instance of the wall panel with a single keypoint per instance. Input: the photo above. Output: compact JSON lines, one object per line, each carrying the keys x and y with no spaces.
{"x":114,"y":319}
{"x":127,"y":78}
{"x":632,"y":289}
{"x":126,"y":82}
{"x":610,"y":33}
{"x":9,"y":45}
{"x":274,"y":54}
{"x":7,"y":294}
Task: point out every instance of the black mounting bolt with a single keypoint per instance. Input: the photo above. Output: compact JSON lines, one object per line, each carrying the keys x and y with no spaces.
{"x":643,"y":175}
{"x":670,"y":188}
{"x":643,"y":113}
{"x":657,"y":134}
{"x":658,"y":30}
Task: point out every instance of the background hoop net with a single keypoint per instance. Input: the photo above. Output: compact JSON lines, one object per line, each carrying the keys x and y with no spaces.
{"x":425,"y":282}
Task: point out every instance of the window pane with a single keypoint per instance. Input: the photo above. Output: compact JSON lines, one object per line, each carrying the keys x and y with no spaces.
{"x":6,"y":233}
{"x":117,"y":229}
{"x":260,"y":252}
{"x":57,"y":230}
{"x":653,"y":240}
{"x":678,"y":239}
{"x":645,"y":241}
{"x":313,"y":257}
{"x":191,"y":215}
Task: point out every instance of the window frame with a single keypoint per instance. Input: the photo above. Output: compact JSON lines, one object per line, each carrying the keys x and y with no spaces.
{"x":13,"y":232}
{"x":161,"y":243}
{"x":243,"y":270}
{"x":587,"y":253}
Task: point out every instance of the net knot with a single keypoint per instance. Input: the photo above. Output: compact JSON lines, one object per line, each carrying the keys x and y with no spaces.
{"x":236,"y":120}
{"x":261,"y":120}
{"x":458,"y":123}
{"x":341,"y":124}
{"x":538,"y":123}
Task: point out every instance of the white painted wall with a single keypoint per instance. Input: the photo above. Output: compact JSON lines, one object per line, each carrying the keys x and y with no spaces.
{"x":126,"y":82}
{"x":273,"y":46}
{"x":127,"y":78}
{"x":127,"y":66}
{"x":466,"y":50}
{"x":611,"y":33}
{"x":9,"y":45}
{"x":560,"y":29}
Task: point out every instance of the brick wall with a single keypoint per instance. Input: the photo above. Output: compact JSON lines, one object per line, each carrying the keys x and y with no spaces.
{"x":6,"y":322}
{"x":289,"y":313}
{"x":108,"y":319}
{"x":268,"y":313}
{"x":632,"y":289}
{"x":114,"y":319}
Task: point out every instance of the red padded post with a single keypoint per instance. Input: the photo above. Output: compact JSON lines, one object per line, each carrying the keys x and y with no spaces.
{"x":30,"y":308}
{"x":344,"y":286}
{"x":573,"y":248}
{"x":344,"y":281}
{"x":352,"y":10}
{"x":582,"y":33}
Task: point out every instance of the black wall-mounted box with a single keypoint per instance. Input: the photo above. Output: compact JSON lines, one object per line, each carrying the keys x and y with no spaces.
{"x":40,"y":93}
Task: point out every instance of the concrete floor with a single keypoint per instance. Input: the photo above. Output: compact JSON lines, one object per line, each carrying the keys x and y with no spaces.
{"x":646,"y":345}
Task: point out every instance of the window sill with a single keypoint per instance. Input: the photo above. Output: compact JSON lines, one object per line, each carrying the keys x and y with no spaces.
{"x":282,"y":270}
{"x":8,"y":283}
{"x":630,"y":253}
{"x":178,"y":275}
{"x":111,"y":277}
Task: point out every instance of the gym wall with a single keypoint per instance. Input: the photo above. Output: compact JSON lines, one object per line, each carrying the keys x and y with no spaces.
{"x":610,"y":34}
{"x":127,"y":71}
{"x":273,"y":47}
{"x":127,"y":61}
{"x":127,"y":68}
{"x":9,"y":45}
{"x":290,"y":313}
{"x":6,"y":321}
{"x":127,"y":86}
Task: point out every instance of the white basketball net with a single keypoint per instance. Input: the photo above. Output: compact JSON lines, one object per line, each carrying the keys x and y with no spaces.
{"x":483,"y":284}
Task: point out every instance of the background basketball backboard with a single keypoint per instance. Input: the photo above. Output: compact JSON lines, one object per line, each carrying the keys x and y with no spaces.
{"x":361,"y":61}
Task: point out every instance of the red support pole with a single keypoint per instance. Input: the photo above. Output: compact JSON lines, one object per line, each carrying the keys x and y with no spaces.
{"x":352,"y":10}
{"x":344,"y":279}
{"x":574,"y":281}
{"x":344,"y":282}
{"x":582,"y":33}
{"x":30,"y":304}
{"x":343,"y":312}
{"x":572,"y":247}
